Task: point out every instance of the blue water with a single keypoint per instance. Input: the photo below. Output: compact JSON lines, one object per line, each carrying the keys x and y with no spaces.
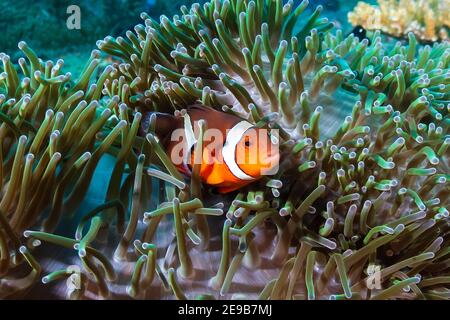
{"x":42,"y":23}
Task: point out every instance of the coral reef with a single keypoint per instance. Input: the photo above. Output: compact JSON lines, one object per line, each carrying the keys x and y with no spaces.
{"x":374,"y":194}
{"x":429,"y":20}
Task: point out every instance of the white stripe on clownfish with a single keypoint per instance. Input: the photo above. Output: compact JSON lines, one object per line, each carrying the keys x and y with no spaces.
{"x":229,"y":149}
{"x":234,"y":135}
{"x":189,"y":131}
{"x":189,"y":142}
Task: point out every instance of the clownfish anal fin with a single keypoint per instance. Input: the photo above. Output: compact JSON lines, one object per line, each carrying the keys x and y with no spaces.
{"x":228,"y":189}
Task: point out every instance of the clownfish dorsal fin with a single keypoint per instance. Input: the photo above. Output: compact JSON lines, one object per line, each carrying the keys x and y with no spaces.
{"x":201,"y":107}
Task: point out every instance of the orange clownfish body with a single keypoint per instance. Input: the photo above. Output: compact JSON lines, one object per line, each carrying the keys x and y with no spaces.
{"x":234,"y":152}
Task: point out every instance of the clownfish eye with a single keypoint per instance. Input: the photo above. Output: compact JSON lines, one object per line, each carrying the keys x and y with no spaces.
{"x":247,"y":142}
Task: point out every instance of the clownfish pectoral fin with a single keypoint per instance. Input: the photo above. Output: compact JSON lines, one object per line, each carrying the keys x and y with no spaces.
{"x":210,"y":171}
{"x":214,"y":178}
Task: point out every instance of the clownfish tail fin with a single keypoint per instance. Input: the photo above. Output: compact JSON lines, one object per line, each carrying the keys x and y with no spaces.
{"x":162,"y":124}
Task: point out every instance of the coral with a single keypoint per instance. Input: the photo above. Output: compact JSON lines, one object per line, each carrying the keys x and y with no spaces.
{"x":428,"y":20}
{"x":373,"y":194}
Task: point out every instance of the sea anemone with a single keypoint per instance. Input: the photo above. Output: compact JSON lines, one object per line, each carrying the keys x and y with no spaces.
{"x":366,"y":201}
{"x":49,"y":151}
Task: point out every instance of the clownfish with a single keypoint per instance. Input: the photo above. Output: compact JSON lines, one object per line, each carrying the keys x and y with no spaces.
{"x":235,"y":152}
